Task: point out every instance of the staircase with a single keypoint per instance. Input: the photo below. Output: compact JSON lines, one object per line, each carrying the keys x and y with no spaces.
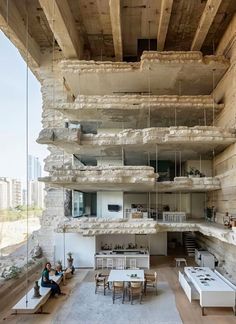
{"x":189,"y":243}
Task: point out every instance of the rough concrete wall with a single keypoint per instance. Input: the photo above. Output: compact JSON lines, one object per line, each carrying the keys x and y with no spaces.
{"x":225,"y":168}
{"x":218,"y":248}
{"x":53,"y":92}
{"x":225,"y":163}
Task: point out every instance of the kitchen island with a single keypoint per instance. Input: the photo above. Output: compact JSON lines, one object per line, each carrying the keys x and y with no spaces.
{"x":141,"y":257}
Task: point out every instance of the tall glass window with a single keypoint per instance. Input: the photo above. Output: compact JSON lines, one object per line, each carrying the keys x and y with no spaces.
{"x":78,"y":203}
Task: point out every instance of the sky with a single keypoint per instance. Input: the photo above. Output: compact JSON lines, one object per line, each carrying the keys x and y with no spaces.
{"x":13,"y":113}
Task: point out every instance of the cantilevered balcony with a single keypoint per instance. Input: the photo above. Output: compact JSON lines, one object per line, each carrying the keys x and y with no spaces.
{"x":97,"y":226}
{"x":125,"y":178}
{"x":187,"y":184}
{"x":158,"y":73}
{"x":198,"y":139}
{"x":138,"y":111}
{"x":94,"y":178}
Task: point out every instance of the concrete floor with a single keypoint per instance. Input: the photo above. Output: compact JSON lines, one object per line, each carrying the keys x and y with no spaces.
{"x":165,"y":267}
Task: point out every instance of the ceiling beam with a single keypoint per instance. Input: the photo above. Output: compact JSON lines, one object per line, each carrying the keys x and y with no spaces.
{"x":166,"y":7}
{"x":115,"y":14}
{"x":228,"y":38}
{"x":63,"y":26}
{"x":13,"y":26}
{"x":205,"y":22}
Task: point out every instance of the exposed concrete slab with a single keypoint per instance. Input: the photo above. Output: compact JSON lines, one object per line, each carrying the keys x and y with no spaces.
{"x":185,"y":184}
{"x":134,"y":111}
{"x":131,"y":178}
{"x":157,"y":73}
{"x":125,"y":178}
{"x":96,"y":226}
{"x":199,"y":139}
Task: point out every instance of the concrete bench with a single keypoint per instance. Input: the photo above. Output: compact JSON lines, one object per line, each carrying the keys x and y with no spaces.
{"x":34,"y":304}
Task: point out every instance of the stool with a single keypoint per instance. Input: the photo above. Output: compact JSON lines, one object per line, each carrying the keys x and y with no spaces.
{"x":120,"y":264}
{"x":109,"y":263}
{"x":99,"y":263}
{"x":179,"y":260}
{"x":132,"y":264}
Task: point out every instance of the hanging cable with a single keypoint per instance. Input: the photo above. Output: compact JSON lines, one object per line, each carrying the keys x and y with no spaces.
{"x":149,"y":98}
{"x":156,"y":185}
{"x":149,"y":71}
{"x":27,"y":148}
{"x":64,"y":246}
{"x":8,"y":34}
{"x":180,"y":166}
{"x":53,"y":58}
{"x":213,"y":174}
{"x":63,"y":200}
{"x":149,"y":30}
{"x":205,"y":118}
{"x":175,"y":177}
{"x":180,"y":94}
{"x":180,"y":173}
{"x":213,"y":99}
{"x":102,"y":41}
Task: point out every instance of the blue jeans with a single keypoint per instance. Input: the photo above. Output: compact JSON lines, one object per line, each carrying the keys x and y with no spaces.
{"x":54,"y":287}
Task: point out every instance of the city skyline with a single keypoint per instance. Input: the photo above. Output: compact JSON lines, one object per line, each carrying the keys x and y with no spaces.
{"x":13,"y":99}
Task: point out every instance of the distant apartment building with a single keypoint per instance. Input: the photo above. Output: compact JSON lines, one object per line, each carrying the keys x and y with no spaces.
{"x":35,"y":188}
{"x":36,"y":194}
{"x":3,"y":194}
{"x":16,"y":191}
{"x":34,"y":168}
{"x":10,"y":193}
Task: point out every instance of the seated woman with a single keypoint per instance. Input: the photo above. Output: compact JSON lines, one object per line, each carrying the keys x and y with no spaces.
{"x":47,"y":282}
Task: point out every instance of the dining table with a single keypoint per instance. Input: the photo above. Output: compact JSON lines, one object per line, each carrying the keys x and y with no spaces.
{"x":126,"y":275}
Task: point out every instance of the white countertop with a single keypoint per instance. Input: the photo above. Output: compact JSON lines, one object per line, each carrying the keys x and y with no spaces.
{"x":122,"y":256}
{"x":122,"y":253}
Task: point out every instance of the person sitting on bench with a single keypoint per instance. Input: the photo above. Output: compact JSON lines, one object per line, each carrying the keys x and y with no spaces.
{"x":65,"y":274}
{"x":46,"y":282}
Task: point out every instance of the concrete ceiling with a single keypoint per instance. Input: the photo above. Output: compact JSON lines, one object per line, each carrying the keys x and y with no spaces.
{"x":158,"y":73}
{"x":117,"y":30}
{"x":99,"y":25}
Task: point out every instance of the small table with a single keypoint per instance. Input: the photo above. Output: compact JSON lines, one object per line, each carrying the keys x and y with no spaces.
{"x":125,"y":275}
{"x":179,"y":260}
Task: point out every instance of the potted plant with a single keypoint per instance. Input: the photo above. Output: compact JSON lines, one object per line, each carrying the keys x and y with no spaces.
{"x":194,"y":173}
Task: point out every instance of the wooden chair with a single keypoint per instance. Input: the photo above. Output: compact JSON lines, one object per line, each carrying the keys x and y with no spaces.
{"x":135,"y":289}
{"x":150,"y":281}
{"x":118,"y":291}
{"x":101,"y":282}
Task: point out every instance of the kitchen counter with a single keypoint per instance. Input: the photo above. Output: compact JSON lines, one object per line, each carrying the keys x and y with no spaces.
{"x":141,"y":256}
